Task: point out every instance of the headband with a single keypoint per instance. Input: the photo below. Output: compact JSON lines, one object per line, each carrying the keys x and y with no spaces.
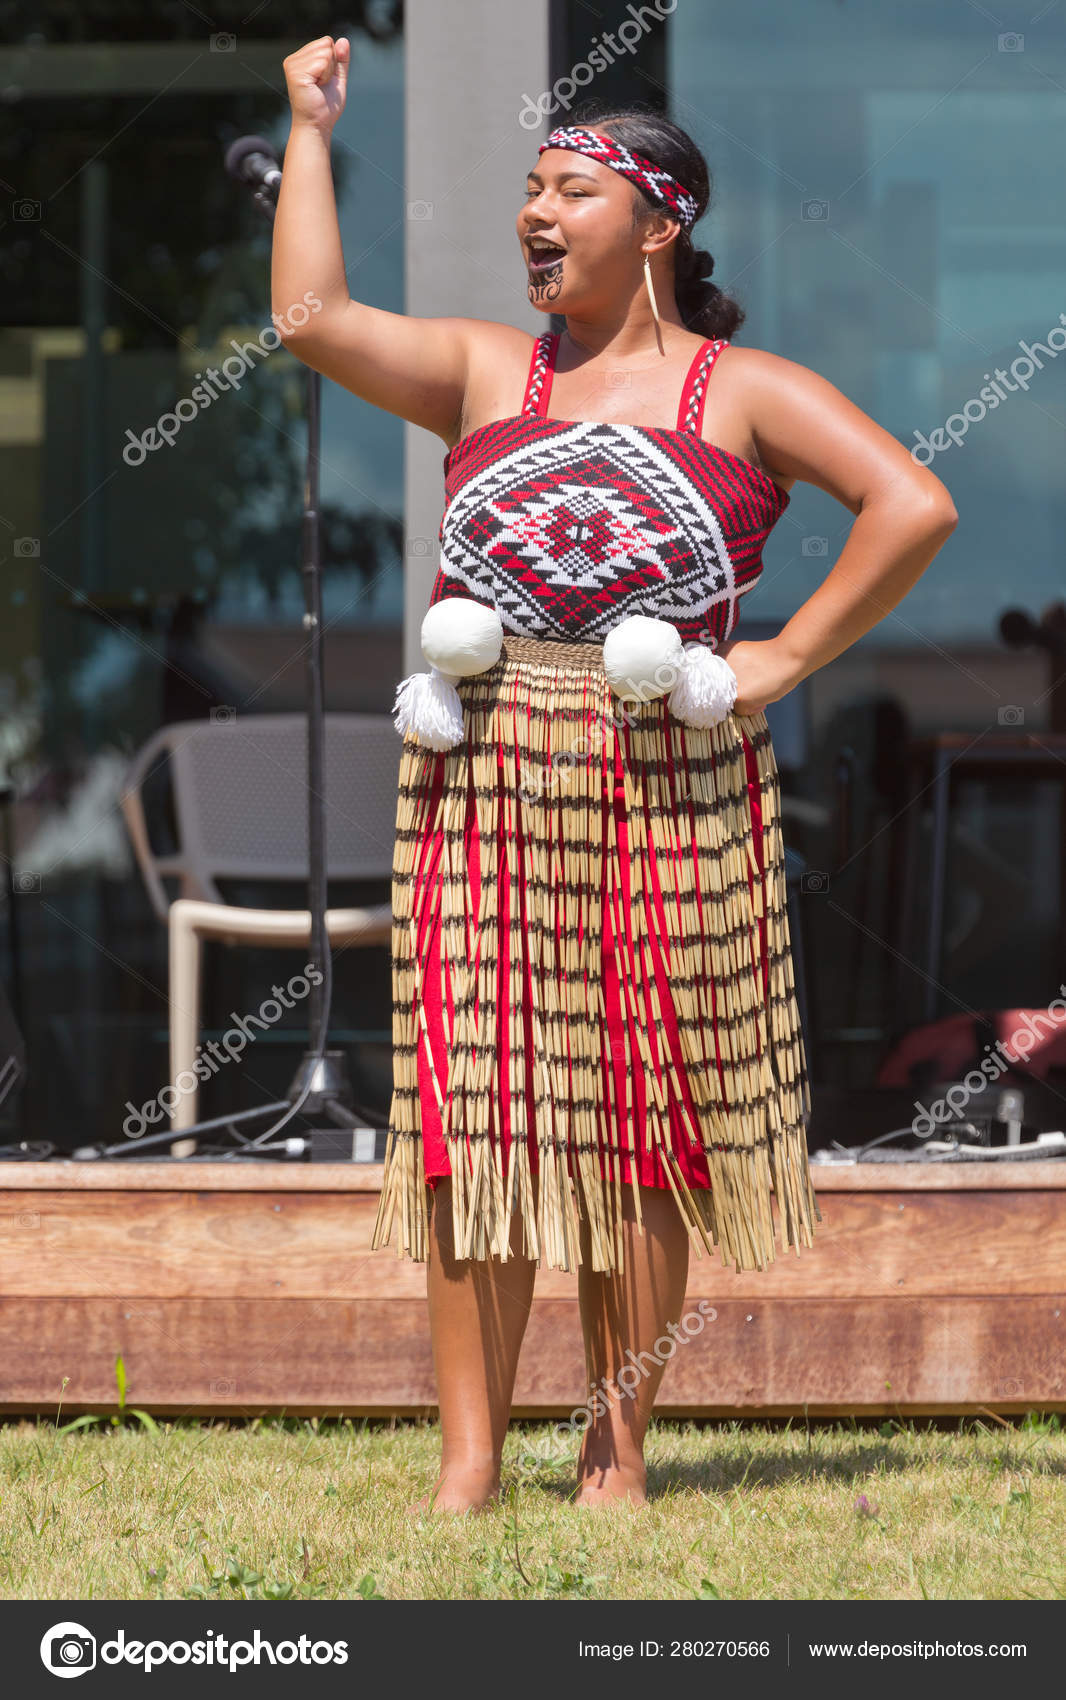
{"x":640,"y":170}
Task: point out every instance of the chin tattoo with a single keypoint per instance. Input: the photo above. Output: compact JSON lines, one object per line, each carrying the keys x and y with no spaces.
{"x":547,"y":284}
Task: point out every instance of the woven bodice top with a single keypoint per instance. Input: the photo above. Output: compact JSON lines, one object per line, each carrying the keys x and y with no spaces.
{"x":565,"y":527}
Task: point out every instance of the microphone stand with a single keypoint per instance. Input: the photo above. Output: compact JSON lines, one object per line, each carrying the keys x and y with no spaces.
{"x":321,"y":1085}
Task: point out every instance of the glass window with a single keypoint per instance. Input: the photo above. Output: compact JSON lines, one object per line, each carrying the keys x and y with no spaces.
{"x":151,"y":489}
{"x":891,"y":214}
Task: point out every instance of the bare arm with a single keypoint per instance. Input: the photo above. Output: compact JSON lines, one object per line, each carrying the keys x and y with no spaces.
{"x":805,"y":428}
{"x":417,"y":368}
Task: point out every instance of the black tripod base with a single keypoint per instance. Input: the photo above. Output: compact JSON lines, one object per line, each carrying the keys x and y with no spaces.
{"x":329,"y":1095}
{"x":329,"y":1090}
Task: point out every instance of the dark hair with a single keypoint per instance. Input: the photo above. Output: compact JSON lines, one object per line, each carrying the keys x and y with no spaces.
{"x":704,"y":307}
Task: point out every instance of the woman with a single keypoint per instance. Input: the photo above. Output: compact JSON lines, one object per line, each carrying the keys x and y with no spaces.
{"x":597,"y":1053}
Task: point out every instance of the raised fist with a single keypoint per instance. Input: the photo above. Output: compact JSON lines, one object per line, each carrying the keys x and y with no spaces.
{"x":317,"y":79}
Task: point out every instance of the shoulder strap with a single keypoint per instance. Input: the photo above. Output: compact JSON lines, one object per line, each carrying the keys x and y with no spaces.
{"x":541,"y":368}
{"x":690,"y":410}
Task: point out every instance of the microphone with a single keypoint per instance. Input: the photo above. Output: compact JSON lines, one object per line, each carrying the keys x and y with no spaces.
{"x":252,"y":160}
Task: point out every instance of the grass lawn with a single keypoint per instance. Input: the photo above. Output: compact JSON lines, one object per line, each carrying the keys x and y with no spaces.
{"x":287,"y":1508}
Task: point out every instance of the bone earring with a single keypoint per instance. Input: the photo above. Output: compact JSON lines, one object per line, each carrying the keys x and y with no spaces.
{"x":651,"y":298}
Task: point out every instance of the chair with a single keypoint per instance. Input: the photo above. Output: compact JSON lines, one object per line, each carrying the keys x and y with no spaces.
{"x":240,"y":804}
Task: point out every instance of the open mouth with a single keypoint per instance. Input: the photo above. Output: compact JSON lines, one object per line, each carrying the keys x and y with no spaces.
{"x":542,"y":255}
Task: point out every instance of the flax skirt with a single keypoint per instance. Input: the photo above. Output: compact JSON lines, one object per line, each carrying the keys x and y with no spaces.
{"x":592,"y":978}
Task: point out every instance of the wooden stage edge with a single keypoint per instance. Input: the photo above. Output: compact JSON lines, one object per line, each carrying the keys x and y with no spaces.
{"x":189,"y":1173}
{"x":234,"y":1290}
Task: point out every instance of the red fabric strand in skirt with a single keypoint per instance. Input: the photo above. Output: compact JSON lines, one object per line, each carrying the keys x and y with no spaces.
{"x":650,"y":1170}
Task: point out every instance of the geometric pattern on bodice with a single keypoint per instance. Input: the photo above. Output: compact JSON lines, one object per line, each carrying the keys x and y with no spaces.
{"x":566,"y":527}
{"x":579,"y":527}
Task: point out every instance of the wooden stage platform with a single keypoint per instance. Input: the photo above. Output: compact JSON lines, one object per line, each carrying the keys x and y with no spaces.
{"x":240,"y":1289}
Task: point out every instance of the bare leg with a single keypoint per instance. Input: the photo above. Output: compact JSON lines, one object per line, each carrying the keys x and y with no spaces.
{"x":477,"y":1317}
{"x":629,"y":1310}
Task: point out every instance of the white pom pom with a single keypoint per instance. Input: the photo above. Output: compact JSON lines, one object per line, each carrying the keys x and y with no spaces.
{"x":642,"y":657}
{"x":707,"y":689}
{"x":428,"y":704}
{"x":461,"y":637}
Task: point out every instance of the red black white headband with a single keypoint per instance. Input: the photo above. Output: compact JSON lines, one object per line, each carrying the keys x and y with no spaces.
{"x":640,"y":170}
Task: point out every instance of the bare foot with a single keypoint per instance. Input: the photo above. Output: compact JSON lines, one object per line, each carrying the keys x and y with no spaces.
{"x":459,"y":1490}
{"x":601,"y":1482}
